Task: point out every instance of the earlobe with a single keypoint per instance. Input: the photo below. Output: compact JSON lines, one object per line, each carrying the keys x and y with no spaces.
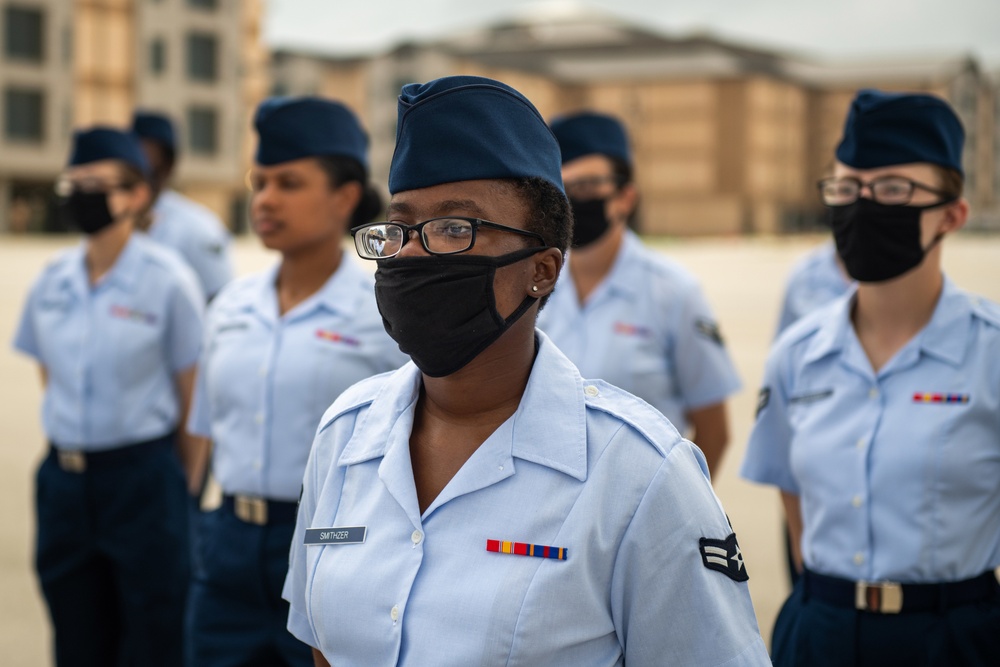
{"x":547,"y":264}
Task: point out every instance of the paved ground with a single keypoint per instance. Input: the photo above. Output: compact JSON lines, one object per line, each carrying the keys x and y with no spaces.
{"x":742,"y":277}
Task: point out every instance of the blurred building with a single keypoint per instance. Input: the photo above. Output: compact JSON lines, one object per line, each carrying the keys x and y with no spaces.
{"x":728,"y":138}
{"x":72,"y":63}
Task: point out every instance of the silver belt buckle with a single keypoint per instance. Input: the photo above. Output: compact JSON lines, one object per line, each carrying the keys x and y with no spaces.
{"x":250,"y":509}
{"x":882,"y":598}
{"x":70,"y":461}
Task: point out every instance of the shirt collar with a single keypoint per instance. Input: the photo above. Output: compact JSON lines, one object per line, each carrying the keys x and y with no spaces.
{"x":624,"y":276}
{"x":554,"y":388}
{"x":339,"y":294}
{"x":943,"y":337}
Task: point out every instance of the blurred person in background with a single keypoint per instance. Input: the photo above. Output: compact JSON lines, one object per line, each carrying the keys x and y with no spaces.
{"x":879,"y":420}
{"x":280,"y":346}
{"x":177,"y":222}
{"x":115,"y":325}
{"x":624,"y":313}
{"x":486,"y":505}
{"x":815,"y":280}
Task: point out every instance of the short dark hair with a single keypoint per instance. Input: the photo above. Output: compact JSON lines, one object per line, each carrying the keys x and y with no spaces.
{"x":952,"y":182}
{"x":341,"y":170}
{"x":549,"y":213}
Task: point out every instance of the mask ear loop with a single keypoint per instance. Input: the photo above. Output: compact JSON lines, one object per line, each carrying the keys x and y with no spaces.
{"x":940,"y":235}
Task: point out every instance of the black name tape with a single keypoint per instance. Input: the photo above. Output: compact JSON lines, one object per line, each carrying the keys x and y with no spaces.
{"x":346,"y":535}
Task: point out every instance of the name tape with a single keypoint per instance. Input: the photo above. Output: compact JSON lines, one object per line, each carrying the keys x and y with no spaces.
{"x":345,"y":535}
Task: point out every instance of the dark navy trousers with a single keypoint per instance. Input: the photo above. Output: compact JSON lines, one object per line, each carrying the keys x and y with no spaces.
{"x":810,"y":632}
{"x":236,"y":616}
{"x":112,"y":557}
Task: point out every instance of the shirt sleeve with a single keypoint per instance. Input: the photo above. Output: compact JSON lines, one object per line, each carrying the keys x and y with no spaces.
{"x":768,"y":454}
{"x":705,"y":372}
{"x":660,"y":574}
{"x":209,"y":257}
{"x":184,"y":330}
{"x":25,"y":338}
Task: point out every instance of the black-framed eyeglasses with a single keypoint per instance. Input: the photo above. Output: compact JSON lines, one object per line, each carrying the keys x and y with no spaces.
{"x":64,"y":187}
{"x":438,"y":236}
{"x":887,"y":190}
{"x":587,"y":187}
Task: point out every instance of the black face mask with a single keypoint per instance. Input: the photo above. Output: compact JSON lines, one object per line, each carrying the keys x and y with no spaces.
{"x":589,"y":220}
{"x":87,"y":211}
{"x":877,"y":242}
{"x":441,"y":310}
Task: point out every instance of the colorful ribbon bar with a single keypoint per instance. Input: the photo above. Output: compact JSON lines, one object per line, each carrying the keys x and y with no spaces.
{"x":522,"y":549}
{"x":940,"y":398}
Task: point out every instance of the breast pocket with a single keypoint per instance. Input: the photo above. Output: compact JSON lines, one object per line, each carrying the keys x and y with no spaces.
{"x":133,"y":341}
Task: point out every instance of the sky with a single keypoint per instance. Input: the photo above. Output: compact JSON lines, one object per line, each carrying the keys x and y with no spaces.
{"x":819,"y":29}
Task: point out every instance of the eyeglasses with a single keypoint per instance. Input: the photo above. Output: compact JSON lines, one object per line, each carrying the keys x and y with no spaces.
{"x":64,"y":187}
{"x":438,"y":236}
{"x":888,"y":190}
{"x":589,"y":187}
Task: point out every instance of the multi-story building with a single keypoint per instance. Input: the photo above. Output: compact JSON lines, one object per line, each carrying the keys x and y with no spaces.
{"x":72,"y":63}
{"x":728,"y":138}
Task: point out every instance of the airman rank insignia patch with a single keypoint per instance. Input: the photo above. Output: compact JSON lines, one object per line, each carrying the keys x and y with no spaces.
{"x":709,"y":330}
{"x":724,"y":556}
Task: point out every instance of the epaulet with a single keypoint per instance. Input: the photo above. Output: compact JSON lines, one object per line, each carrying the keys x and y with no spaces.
{"x":636,"y":413}
{"x":356,"y":396}
{"x":985,"y":309}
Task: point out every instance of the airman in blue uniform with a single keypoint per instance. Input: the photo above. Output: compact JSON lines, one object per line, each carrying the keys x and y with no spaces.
{"x":815,"y":280}
{"x":190,"y":229}
{"x":624,"y":313}
{"x":280,"y":346}
{"x":486,"y":505}
{"x":878,"y":420}
{"x":115,"y":326}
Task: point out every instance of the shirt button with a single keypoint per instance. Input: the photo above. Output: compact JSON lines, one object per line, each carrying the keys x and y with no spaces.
{"x":394,"y":614}
{"x":860,"y":443}
{"x":416,"y":537}
{"x":856,"y":501}
{"x":259,"y":418}
{"x":873,"y":393}
{"x":859,"y":558}
{"x":591,"y":390}
{"x":263,"y":371}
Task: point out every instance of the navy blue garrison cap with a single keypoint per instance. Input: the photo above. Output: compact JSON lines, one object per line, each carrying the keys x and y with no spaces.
{"x":466,"y":128}
{"x":589,"y":133}
{"x":107,"y":143}
{"x":884,"y":129}
{"x":292,"y":128}
{"x":155,"y":127}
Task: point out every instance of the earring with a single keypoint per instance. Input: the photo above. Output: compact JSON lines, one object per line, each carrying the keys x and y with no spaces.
{"x":534,"y":288}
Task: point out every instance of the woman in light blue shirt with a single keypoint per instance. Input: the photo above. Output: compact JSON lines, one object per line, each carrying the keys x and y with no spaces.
{"x":115,"y":326}
{"x":879,"y":420}
{"x":486,"y":505}
{"x":624,"y":313}
{"x":280,"y":346}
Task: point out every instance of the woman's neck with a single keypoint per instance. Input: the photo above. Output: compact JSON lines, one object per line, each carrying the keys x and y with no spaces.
{"x":590,"y":265}
{"x":304,"y":273}
{"x":104,"y":248}
{"x":889,"y":314}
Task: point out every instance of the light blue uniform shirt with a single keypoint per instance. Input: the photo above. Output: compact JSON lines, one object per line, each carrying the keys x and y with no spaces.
{"x":814,"y":281}
{"x":646,"y":328}
{"x":580,"y":465}
{"x":111,"y":350}
{"x":264,"y":380}
{"x":893,"y":486}
{"x":197,"y":235}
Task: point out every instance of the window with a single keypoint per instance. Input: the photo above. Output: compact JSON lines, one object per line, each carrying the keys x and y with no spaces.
{"x":23,"y":114}
{"x":203,"y":130}
{"x":202,"y":56}
{"x":157,"y":56}
{"x":23,"y":33}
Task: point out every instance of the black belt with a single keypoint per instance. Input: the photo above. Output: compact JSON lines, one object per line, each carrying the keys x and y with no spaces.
{"x":260,"y":511}
{"x":894,"y":598}
{"x":77,"y":461}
